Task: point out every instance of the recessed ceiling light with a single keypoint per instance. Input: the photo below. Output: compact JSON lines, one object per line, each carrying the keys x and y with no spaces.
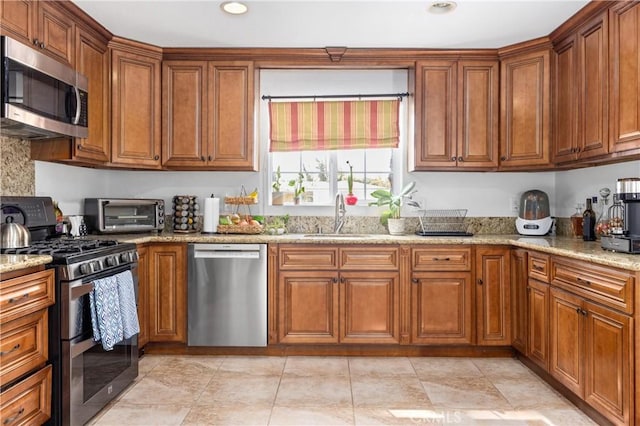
{"x":440,"y":7}
{"x":234,"y":7}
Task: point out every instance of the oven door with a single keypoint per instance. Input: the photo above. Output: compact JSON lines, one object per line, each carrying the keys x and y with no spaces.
{"x":91,"y":376}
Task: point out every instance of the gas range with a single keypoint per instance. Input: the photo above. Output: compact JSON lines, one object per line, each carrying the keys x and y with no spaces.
{"x":79,"y":257}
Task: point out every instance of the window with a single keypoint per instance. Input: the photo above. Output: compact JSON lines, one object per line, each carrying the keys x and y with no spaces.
{"x":324,"y":173}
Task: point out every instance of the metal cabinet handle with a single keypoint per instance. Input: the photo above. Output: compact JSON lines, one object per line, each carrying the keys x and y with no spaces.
{"x":453,"y":158}
{"x":14,"y":300}
{"x":41,"y":45}
{"x":538,"y":268}
{"x":335,"y":279}
{"x":13,"y":349}
{"x":480,"y":281}
{"x":210,"y":158}
{"x":157,"y":157}
{"x":414,"y":280}
{"x":441,"y":259}
{"x":79,"y":147}
{"x":581,"y":281}
{"x":503,"y":158}
{"x":202,"y":158}
{"x":36,"y":42}
{"x":460,"y":159}
{"x":11,"y":419}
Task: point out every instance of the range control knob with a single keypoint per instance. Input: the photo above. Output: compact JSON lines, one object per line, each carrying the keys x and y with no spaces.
{"x":96,"y":266}
{"x":85,"y":268}
{"x":111,"y":261}
{"x":126,"y":257}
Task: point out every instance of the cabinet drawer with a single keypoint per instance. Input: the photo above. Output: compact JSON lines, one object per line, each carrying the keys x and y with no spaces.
{"x":609,"y":286}
{"x":441,"y":259}
{"x":23,"y":345}
{"x":539,"y":267}
{"x":308,"y":257}
{"x":22,"y":295}
{"x":28,"y":402}
{"x":369,"y":258}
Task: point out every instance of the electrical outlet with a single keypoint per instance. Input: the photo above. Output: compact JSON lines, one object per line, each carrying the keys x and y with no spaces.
{"x":513,"y":205}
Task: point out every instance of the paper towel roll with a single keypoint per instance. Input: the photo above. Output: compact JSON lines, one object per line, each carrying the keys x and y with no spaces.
{"x":211,"y":215}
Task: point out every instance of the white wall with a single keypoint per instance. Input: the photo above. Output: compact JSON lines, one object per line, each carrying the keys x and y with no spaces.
{"x":574,"y":186}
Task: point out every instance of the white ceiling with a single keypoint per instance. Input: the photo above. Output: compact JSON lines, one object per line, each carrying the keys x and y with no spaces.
{"x":350,"y":23}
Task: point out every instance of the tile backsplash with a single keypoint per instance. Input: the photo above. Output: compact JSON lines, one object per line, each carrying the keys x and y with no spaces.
{"x":17,"y":170}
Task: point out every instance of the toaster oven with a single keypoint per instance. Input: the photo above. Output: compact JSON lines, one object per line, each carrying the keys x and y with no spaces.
{"x":123,"y":215}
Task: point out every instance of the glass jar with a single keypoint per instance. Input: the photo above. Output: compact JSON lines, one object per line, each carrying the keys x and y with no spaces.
{"x":602,"y":224}
{"x":576,"y":221}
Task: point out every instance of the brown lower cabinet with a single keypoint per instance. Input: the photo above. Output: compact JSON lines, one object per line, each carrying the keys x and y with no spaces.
{"x":493,"y":294}
{"x":538,"y":323}
{"x":344,"y":294}
{"x":167,"y":292}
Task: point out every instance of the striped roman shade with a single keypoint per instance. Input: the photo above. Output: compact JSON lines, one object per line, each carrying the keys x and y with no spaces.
{"x":310,"y":126}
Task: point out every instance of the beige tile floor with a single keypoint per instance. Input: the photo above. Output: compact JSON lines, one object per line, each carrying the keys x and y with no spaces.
{"x":220,"y":390}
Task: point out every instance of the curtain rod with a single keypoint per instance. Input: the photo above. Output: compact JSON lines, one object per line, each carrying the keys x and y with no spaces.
{"x":370,"y":95}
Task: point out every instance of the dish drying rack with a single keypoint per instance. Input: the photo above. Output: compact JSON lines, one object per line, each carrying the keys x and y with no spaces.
{"x":444,"y":222}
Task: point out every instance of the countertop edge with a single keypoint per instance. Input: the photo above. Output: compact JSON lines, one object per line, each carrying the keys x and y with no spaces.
{"x":15,"y":262}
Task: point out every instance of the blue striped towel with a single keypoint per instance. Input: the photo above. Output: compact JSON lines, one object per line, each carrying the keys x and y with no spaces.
{"x":105,"y":312}
{"x":128,"y":308}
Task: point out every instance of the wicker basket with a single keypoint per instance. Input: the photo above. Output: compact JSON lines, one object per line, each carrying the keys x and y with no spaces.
{"x":241,"y":200}
{"x":240,"y":229}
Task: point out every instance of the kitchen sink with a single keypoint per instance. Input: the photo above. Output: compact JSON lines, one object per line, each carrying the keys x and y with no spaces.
{"x":338,"y":235}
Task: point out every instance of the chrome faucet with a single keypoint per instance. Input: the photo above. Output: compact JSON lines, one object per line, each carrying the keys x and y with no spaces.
{"x":341,"y":212}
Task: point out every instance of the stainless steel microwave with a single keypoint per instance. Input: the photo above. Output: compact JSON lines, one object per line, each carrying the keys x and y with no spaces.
{"x":41,"y":97}
{"x":123,"y":215}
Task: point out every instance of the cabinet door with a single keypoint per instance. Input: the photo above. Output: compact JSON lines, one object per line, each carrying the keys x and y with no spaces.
{"x":538,"y":323}
{"x":441,"y":308}
{"x":231,"y":116}
{"x":525,"y":110}
{"x":92,"y":61}
{"x":593,"y":111}
{"x":477,"y":113}
{"x":135,"y":105}
{"x":308,"y":307}
{"x":143,"y":295}
{"x":55,"y":33}
{"x":565,"y":119}
{"x":493,"y":296}
{"x":624,"y":76}
{"x":16,"y":19}
{"x":435,"y":121}
{"x":567,"y":340}
{"x":369,"y":305}
{"x":519,"y":282}
{"x":184,"y":114}
{"x":608,"y":362}
{"x":168,"y":293}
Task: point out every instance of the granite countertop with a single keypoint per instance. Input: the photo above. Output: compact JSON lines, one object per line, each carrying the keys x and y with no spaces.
{"x":14,"y":262}
{"x":563,"y":246}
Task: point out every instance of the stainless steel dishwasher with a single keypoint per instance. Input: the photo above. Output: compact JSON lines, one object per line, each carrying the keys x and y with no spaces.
{"x":227,"y":294}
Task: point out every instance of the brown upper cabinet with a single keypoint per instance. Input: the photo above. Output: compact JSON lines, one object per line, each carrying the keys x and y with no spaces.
{"x":525,"y":109}
{"x":208,"y":115}
{"x":624,"y":77}
{"x":92,"y":60}
{"x":135,"y":104}
{"x":581,"y":93}
{"x":41,"y":24}
{"x":456,"y":115}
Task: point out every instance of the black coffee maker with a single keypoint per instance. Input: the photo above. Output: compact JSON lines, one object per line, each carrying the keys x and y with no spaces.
{"x":627,"y":211}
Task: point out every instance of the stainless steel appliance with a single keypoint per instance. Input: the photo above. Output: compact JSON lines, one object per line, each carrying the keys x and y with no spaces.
{"x":534,"y":217}
{"x":227,"y":295}
{"x":41,"y":97}
{"x":85,"y":376}
{"x":628,"y":240}
{"x":123,"y":215}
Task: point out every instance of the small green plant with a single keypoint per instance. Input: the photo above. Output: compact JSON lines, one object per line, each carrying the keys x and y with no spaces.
{"x":297,"y":185}
{"x":393,"y":202}
{"x":350,"y":178}
{"x":276,"y":180}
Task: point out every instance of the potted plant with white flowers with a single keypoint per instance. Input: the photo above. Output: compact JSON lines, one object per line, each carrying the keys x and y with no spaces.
{"x":391,"y":216}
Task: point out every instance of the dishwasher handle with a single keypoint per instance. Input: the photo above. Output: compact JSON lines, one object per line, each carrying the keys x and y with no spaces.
{"x":214,"y":254}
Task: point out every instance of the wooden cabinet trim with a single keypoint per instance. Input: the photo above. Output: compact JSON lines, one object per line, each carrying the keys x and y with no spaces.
{"x":28,"y":293}
{"x":368,"y":258}
{"x":538,"y":323}
{"x":539,"y":267}
{"x":293,"y":257}
{"x":28,"y":401}
{"x":441,"y":258}
{"x":24,"y":345}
